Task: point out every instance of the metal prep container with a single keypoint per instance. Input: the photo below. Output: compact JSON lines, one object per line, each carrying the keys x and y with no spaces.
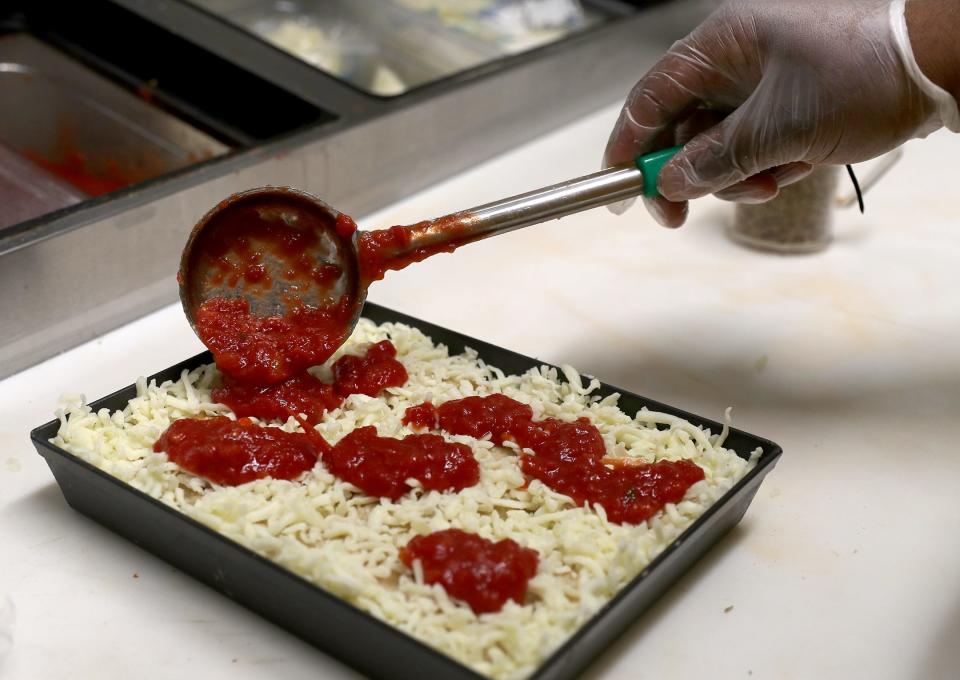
{"x":27,"y":191}
{"x":340,"y":628}
{"x":66,"y":116}
{"x":389,"y":47}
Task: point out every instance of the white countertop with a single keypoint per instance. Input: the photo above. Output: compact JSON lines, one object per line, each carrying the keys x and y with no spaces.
{"x":847,"y":563}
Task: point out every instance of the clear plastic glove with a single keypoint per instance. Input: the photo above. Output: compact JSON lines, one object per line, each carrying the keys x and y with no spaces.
{"x":762,"y":91}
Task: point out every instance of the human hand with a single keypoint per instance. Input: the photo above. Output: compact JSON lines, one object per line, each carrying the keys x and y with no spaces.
{"x":763,"y":91}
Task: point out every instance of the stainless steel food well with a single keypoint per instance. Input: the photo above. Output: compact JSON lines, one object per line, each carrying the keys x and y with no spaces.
{"x":63,"y":107}
{"x":388,"y":47}
{"x":27,"y":191}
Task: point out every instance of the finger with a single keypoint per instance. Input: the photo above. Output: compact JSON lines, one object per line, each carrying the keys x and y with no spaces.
{"x":688,"y":128}
{"x":669,"y":89}
{"x":699,"y":120}
{"x":791,"y":173}
{"x":743,"y":144}
{"x":706,"y":165}
{"x":758,"y":136}
{"x":760,"y":188}
{"x":666,"y":213}
{"x":765,"y":186}
{"x":661,"y":141}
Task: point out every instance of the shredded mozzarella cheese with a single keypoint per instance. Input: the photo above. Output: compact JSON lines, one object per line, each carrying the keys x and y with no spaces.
{"x":348,"y":543}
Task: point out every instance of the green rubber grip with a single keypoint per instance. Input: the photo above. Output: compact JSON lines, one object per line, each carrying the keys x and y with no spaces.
{"x":650,"y":165}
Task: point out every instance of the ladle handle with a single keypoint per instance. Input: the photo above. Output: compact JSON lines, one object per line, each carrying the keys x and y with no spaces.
{"x":541,"y":205}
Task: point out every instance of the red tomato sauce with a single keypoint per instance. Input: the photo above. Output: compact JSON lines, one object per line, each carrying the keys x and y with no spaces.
{"x":271,"y":256}
{"x":267,"y":350}
{"x":438,"y":465}
{"x":237,"y":250}
{"x":234,"y":452}
{"x":482,"y":573}
{"x":380,"y":466}
{"x":301,"y":394}
{"x":74,"y":169}
{"x":421,"y":417}
{"x":370,"y":374}
{"x":568,"y":457}
{"x":384,"y":250}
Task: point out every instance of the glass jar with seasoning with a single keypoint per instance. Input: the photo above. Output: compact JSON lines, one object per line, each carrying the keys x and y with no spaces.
{"x":798,"y":220}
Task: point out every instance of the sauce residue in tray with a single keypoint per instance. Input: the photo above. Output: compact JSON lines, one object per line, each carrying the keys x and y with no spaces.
{"x":94,"y":175}
{"x":74,"y":168}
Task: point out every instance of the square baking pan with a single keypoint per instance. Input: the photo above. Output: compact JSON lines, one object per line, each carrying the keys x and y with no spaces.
{"x":334,"y":625}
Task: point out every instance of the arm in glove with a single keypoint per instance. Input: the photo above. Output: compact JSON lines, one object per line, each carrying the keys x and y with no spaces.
{"x":762,"y":91}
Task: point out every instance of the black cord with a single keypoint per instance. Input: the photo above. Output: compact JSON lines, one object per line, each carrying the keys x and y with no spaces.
{"x":856,"y":186}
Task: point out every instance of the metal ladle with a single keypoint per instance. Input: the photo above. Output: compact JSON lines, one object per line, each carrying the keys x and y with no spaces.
{"x":274,"y":210}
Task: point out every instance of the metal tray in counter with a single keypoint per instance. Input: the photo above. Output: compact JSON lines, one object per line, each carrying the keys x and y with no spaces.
{"x":64,"y":109}
{"x":388,"y":47}
{"x":331,"y":623}
{"x":27,"y":191}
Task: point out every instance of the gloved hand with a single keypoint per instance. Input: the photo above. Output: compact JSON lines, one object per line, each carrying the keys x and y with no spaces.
{"x":762,"y":91}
